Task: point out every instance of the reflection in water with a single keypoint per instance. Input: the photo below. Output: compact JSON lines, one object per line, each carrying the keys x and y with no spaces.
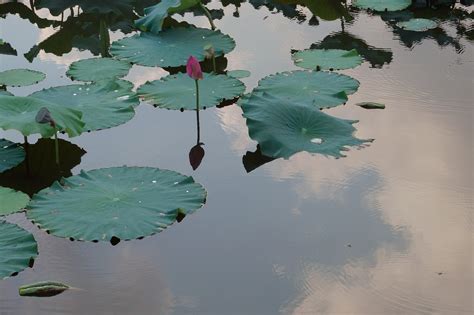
{"x":253,"y":160}
{"x":43,"y":168}
{"x":196,"y":154}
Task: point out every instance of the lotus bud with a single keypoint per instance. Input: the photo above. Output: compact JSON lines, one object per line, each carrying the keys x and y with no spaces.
{"x":193,"y":68}
{"x":44,"y":117}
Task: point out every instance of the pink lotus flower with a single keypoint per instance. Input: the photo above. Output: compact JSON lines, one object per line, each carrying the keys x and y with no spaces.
{"x":193,"y":68}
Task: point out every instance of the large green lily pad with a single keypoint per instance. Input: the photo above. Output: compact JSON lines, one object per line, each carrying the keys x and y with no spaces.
{"x":179,"y":91}
{"x":19,"y":113}
{"x":103,"y":104}
{"x":97,"y":69}
{"x":156,"y":14}
{"x":327,"y":59}
{"x":172,"y":47}
{"x":115,"y":203}
{"x":318,"y":89}
{"x":18,"y":249}
{"x":382,"y":5}
{"x":12,"y":201}
{"x":11,"y":154}
{"x":20,"y":77}
{"x":418,"y":25}
{"x":283,"y":128}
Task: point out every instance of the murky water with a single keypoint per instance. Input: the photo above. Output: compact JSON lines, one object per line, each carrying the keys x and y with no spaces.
{"x":386,"y":230}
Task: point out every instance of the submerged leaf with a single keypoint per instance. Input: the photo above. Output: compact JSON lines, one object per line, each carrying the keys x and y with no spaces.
{"x":43,"y":289}
{"x":20,"y":77}
{"x":327,"y":59}
{"x":113,"y":204}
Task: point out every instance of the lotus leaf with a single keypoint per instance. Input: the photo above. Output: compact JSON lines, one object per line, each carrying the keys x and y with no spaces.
{"x":284,"y":127}
{"x":418,"y":25}
{"x":179,"y":91}
{"x":115,"y":203}
{"x":11,"y":154}
{"x":327,"y":59}
{"x":238,"y":74}
{"x":18,"y":249}
{"x":3,"y":92}
{"x":12,"y":201}
{"x":313,"y":88}
{"x":156,"y":14}
{"x":97,"y":69}
{"x":20,"y":77}
{"x":172,"y":47}
{"x":19,"y":113}
{"x":103,"y":104}
{"x":382,"y":5}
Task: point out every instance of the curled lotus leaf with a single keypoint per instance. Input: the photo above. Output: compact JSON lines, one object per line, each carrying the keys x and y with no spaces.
{"x":18,"y":249}
{"x":171,"y":47}
{"x":118,"y":203}
{"x":179,"y":91}
{"x":283,"y":128}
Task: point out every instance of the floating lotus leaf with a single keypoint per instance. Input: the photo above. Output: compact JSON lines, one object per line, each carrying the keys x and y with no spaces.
{"x":115,"y":203}
{"x":284,"y":127}
{"x":97,"y":69}
{"x":155,"y":15}
{"x":20,"y":77}
{"x":3,"y":92}
{"x":12,"y":201}
{"x":11,"y":154}
{"x":18,"y":249}
{"x":19,"y":113}
{"x":314,"y":88}
{"x":418,"y":25}
{"x":103,"y":104}
{"x":179,"y":91}
{"x":382,"y":5}
{"x":172,"y":47}
{"x":327,"y":59}
{"x":238,"y":74}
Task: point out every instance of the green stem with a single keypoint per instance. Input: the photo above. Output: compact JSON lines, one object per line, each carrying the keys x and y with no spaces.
{"x":208,"y":15}
{"x":214,"y":63}
{"x":197,"y":111}
{"x":56,"y":145}
{"x":26,"y":146}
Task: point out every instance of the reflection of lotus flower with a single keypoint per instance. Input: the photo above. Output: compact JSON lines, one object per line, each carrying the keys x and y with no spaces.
{"x":193,"y":68}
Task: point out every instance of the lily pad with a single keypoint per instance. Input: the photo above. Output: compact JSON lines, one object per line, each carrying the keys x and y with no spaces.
{"x":318,"y":89}
{"x":156,"y":14}
{"x":238,"y":74}
{"x":371,"y":105}
{"x":283,"y":128}
{"x":19,"y":113}
{"x":11,"y":154}
{"x":172,"y":47}
{"x":18,"y":249}
{"x":119,"y":203}
{"x":103,"y":104}
{"x":179,"y":91}
{"x":327,"y":59}
{"x":97,"y":69}
{"x":418,"y":25}
{"x":20,"y":77}
{"x":382,"y":5}
{"x":12,"y":201}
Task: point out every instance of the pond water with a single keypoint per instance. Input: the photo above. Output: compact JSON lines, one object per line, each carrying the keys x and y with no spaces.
{"x":385,"y":230}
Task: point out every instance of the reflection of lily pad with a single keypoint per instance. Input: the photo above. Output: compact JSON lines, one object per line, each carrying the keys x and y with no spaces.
{"x":11,"y":154}
{"x":96,"y":69}
{"x":283,"y":128}
{"x":179,"y":91}
{"x":319,"y":89}
{"x":12,"y":201}
{"x":172,"y":47}
{"x":20,"y":77}
{"x":115,"y":203}
{"x":18,"y":249}
{"x":103,"y":104}
{"x":382,"y":5}
{"x":418,"y":25}
{"x":327,"y":59}
{"x":43,"y":168}
{"x":19,"y":113}
{"x":156,"y":14}
{"x":6,"y":48}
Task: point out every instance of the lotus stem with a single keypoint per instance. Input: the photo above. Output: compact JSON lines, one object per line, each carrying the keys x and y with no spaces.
{"x":208,"y":15}
{"x":56,"y":145}
{"x":26,"y":146}
{"x":104,"y":39}
{"x":197,"y":111}
{"x":214,"y":63}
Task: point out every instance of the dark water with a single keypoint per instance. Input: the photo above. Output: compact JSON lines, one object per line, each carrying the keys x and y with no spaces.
{"x":387,"y":230}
